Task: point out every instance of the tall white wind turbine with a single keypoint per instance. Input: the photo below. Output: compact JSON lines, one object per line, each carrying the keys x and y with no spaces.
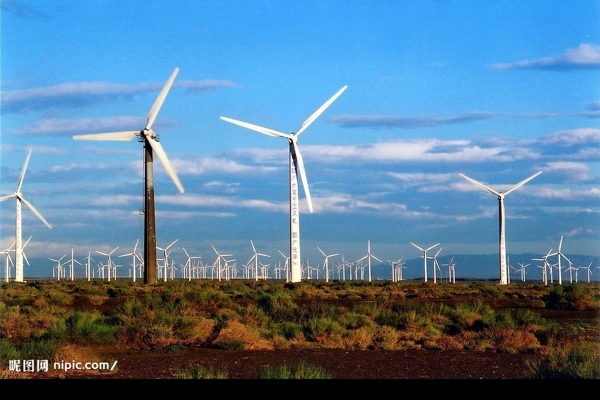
{"x":151,"y":144}
{"x":424,"y":257}
{"x":296,"y":166}
{"x":18,"y":196}
{"x":501,"y":217}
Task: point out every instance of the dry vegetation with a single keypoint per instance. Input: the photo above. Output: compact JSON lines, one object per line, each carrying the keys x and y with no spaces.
{"x":55,"y":320}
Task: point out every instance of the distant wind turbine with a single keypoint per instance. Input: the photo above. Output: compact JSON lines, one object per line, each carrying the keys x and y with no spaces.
{"x":109,"y":265}
{"x":326,"y":262}
{"x":255,"y":261}
{"x":296,"y":166}
{"x":18,"y":196}
{"x":559,"y":254}
{"x":502,"y":234}
{"x":8,"y":262}
{"x":368,"y":257}
{"x":133,"y":257}
{"x":436,"y":265}
{"x":424,"y":257}
{"x":151,"y":143}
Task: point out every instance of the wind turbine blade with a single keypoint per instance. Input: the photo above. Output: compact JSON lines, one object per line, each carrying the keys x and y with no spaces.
{"x":8,"y":197}
{"x":300,"y":169}
{"x":518,"y":185}
{"x":23,"y":172}
{"x":321,"y":251}
{"x":162,"y":156}
{"x":120,"y":136}
{"x":160,"y":99}
{"x":481,"y":185}
{"x":417,"y":246}
{"x":257,"y":128}
{"x":316,"y":114}
{"x":36,"y":212}
{"x":433,"y":247}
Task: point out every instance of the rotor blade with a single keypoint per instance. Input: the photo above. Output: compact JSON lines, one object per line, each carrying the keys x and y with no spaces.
{"x":316,"y":114}
{"x":23,"y":172}
{"x":257,"y":128}
{"x":417,"y":246}
{"x":36,"y":212}
{"x":518,"y":185}
{"x":121,"y":136}
{"x":429,"y":248}
{"x":300,"y":169}
{"x":481,"y":185}
{"x":8,"y":197}
{"x":162,"y":156}
{"x":160,"y":99}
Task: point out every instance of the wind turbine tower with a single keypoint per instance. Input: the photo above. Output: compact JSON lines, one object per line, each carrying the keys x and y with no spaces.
{"x":501,"y":217}
{"x":18,"y":224}
{"x":296,"y":166}
{"x":151,"y":144}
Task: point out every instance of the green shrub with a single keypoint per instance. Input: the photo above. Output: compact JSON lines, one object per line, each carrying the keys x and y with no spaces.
{"x":302,"y":371}
{"x":200,"y":372}
{"x":90,"y":328}
{"x":230,"y":344}
{"x":581,"y":361}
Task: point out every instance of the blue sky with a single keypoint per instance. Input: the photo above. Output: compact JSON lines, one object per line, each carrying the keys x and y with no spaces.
{"x":495,"y":90}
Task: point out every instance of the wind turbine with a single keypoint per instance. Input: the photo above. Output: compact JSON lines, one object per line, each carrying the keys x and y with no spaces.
{"x":546,"y":266}
{"x":368,"y":257}
{"x":151,"y":143}
{"x":589,"y":271}
{"x":254,"y":260}
{"x":166,"y":258}
{"x":502,"y":234}
{"x":287,"y":266}
{"x":8,"y":261}
{"x":217,"y":264}
{"x":296,"y":166}
{"x":58,"y":266}
{"x":109,"y":266}
{"x":133,"y":256}
{"x":188,"y":264}
{"x":72,"y":267}
{"x":18,"y":196}
{"x":560,"y":255}
{"x":424,"y":257}
{"x":435,"y":264}
{"x":326,"y":262}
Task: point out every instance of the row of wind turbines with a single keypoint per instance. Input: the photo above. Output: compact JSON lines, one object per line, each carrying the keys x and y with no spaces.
{"x":152,"y":146}
{"x":225,"y":268}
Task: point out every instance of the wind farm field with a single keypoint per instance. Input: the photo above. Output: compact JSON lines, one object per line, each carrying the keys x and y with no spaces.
{"x":247,"y":329}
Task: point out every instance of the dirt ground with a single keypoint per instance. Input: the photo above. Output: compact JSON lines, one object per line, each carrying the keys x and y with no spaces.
{"x":338,"y":363}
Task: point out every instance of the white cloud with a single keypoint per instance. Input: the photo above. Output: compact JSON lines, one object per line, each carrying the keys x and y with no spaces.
{"x":572,"y":137}
{"x":567,"y":194}
{"x":584,"y":56}
{"x":574,"y":171}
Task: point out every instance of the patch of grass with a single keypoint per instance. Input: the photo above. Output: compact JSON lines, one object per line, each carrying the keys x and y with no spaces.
{"x":302,"y":371}
{"x":580,"y":361}
{"x":200,"y":372}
